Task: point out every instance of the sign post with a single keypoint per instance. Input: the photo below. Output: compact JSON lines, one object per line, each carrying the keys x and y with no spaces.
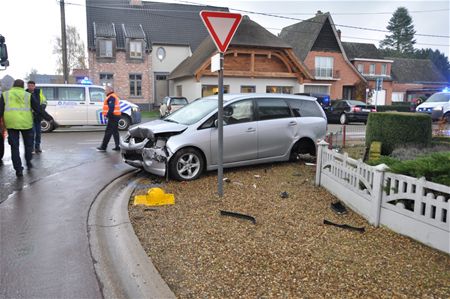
{"x":221,"y":27}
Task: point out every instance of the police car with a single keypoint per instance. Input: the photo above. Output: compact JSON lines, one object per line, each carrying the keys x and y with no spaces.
{"x":77,"y":105}
{"x":438,"y":105}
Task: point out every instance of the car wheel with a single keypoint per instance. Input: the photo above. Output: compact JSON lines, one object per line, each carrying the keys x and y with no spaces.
{"x":343,"y":119}
{"x":447,"y":117}
{"x":46,"y":126}
{"x":303,"y":146}
{"x":186,"y":165}
{"x":124,"y":122}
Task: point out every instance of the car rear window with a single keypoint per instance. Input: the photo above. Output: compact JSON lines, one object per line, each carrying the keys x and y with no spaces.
{"x":179,"y":102}
{"x":303,"y":108}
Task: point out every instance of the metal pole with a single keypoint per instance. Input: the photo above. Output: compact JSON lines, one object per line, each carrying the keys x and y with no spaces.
{"x":220,"y":128}
{"x":64,"y":42}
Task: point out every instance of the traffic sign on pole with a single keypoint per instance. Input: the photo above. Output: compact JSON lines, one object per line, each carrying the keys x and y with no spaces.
{"x":221,"y":26}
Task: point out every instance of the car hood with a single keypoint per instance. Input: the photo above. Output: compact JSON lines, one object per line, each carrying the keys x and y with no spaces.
{"x":129,"y":103}
{"x":431,"y":105}
{"x":161,"y":126}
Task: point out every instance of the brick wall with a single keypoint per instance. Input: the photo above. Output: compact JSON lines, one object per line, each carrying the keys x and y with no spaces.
{"x":347,"y":76}
{"x":121,"y":68}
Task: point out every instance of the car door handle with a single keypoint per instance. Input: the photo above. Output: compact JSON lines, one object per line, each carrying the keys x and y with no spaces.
{"x":292,"y":123}
{"x":91,"y":103}
{"x":82,"y":103}
{"x":249,"y":130}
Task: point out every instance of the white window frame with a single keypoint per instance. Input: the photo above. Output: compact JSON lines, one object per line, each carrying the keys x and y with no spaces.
{"x":384,"y":69}
{"x":372,"y":69}
{"x":361,"y":68}
{"x":105,"y":48}
{"x":324,"y":67}
{"x":136,"y":49}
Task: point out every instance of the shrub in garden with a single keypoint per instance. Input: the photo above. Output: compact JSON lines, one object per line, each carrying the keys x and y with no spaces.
{"x":398,"y":108}
{"x":395,"y":129}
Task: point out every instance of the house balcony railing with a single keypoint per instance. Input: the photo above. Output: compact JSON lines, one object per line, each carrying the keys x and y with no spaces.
{"x":326,"y":74}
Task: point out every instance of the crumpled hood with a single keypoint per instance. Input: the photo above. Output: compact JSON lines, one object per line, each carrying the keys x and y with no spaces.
{"x":161,"y":126}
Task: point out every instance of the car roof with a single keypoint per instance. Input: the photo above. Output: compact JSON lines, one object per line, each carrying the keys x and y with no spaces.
{"x":238,"y":96}
{"x":67,"y":85}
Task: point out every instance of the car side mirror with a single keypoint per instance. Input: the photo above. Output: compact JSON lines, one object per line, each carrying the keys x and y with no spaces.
{"x":216,"y":123}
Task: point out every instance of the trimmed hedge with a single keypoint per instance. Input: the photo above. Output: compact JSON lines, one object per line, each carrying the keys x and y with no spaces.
{"x":396,"y":129}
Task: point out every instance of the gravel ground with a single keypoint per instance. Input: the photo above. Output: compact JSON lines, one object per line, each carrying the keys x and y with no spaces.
{"x":289,"y":252}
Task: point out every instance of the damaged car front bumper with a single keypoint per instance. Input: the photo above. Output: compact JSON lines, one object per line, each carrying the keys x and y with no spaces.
{"x":142,"y":149}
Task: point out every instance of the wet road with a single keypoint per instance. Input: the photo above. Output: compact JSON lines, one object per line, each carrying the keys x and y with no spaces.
{"x":44,"y":249}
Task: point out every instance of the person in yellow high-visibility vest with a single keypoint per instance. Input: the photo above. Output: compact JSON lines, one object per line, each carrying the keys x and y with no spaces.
{"x":16,"y":108}
{"x":36,"y":117}
{"x":111,"y":110}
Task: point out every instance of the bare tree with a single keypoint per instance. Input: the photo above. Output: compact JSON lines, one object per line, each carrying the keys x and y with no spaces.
{"x":29,"y":75}
{"x":76,"y":56}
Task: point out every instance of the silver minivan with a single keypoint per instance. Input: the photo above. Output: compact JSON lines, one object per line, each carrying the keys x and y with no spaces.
{"x":258,"y":128}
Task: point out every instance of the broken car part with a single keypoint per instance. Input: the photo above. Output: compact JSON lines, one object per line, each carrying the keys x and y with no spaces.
{"x":345,"y":226}
{"x":238,"y":215}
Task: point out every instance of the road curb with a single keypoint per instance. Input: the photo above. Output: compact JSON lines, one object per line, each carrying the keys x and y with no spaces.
{"x":123,"y":268}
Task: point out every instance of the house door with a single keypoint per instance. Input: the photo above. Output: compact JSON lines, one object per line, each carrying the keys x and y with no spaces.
{"x":161,"y":87}
{"x":347,"y":92}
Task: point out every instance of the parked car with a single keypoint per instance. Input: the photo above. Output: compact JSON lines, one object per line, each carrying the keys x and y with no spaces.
{"x":171,"y":104}
{"x":345,"y":111}
{"x":438,"y":106}
{"x":322,"y":98}
{"x":78,"y":105}
{"x":258,"y":128}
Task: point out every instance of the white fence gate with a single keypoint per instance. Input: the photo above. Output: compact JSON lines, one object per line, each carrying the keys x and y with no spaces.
{"x":409,"y":206}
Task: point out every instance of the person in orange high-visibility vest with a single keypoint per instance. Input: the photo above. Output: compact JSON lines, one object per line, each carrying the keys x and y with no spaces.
{"x":111,"y":110}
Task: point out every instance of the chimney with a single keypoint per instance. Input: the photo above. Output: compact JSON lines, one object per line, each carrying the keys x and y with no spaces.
{"x":318,"y":13}
{"x":136,"y":2}
{"x":339,"y":33}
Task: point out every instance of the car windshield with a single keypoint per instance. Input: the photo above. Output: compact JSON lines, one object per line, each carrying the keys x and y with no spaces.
{"x":193,"y":112}
{"x":439,"y":97}
{"x":357,"y":103}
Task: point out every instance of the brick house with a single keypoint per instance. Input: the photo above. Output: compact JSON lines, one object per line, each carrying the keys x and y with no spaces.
{"x":317,"y":44}
{"x":134,"y":45}
{"x":256,"y":61}
{"x":370,"y":63}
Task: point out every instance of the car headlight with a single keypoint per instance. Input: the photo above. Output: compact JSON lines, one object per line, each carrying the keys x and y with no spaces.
{"x":438,"y":108}
{"x":135,"y":109}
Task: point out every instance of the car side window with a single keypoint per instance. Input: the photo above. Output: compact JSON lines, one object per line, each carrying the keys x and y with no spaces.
{"x":49,"y":93}
{"x":96,"y":95}
{"x":302,"y":108}
{"x":239,"y":112}
{"x":273,"y":109}
{"x":71,"y":94}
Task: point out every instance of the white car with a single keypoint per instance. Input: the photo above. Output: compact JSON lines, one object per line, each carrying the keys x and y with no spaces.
{"x":78,"y":105}
{"x":438,"y":106}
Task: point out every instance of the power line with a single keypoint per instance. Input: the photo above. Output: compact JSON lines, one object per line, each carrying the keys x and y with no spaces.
{"x":150,"y":10}
{"x":360,"y":13}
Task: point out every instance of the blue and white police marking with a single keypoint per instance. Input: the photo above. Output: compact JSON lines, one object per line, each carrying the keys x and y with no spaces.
{"x":103,"y":120}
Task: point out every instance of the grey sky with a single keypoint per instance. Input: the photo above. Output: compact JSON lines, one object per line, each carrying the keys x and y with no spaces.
{"x":30,"y":26}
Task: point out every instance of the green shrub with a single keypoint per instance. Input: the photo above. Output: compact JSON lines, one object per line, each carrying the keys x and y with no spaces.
{"x":395,"y":129}
{"x":434,"y":167}
{"x":405,"y":104}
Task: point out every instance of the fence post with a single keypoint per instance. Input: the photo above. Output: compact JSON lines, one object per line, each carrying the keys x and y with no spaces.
{"x":377,"y":194}
{"x":321,"y":146}
{"x":344,"y":135}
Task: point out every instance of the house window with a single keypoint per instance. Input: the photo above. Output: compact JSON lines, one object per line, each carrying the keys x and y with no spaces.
{"x":135,"y":85}
{"x":279,"y":89}
{"x":248,"y":89}
{"x":372,"y":69}
{"x":317,"y":89}
{"x":209,"y":90}
{"x":361,"y":68}
{"x":136,"y":50}
{"x":384,"y":69}
{"x":161,"y":53}
{"x":106,"y":48}
{"x":107,"y":79}
{"x":324,"y":67}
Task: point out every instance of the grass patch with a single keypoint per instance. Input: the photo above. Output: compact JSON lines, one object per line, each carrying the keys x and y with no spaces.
{"x":150,"y":114}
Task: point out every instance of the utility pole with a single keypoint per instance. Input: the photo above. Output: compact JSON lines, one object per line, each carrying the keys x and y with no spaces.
{"x":64,"y":43}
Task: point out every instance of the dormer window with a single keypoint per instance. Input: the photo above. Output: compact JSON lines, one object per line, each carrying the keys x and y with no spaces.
{"x":105,"y":48}
{"x":136,"y":49}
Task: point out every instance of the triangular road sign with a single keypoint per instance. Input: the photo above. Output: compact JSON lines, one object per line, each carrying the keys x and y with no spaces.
{"x":221,"y":26}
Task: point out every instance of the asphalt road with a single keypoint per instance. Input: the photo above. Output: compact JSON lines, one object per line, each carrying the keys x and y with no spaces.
{"x":44,"y":248}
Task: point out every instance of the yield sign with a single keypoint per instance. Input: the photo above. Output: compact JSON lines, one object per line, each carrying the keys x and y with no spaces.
{"x":221,"y":26}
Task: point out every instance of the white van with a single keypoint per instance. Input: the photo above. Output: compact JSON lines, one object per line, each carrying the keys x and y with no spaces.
{"x":438,"y":105}
{"x":77,"y":105}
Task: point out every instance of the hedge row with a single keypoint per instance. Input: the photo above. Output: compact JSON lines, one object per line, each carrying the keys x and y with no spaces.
{"x":398,"y":108}
{"x":394,"y":129}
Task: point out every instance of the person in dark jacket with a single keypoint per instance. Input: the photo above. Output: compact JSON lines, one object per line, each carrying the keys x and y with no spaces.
{"x":37,"y":93}
{"x":111,"y":110}
{"x":16,"y":108}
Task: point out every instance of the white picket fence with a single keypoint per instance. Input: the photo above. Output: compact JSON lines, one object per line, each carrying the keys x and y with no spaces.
{"x":413,"y":207}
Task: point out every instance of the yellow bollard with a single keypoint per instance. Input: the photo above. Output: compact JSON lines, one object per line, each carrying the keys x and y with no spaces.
{"x":154,"y":197}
